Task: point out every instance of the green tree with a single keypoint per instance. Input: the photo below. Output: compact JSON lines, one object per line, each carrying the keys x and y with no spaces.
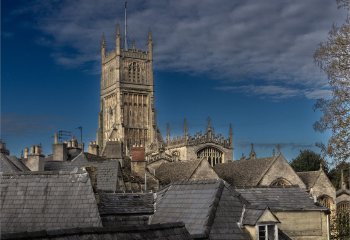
{"x":333,"y":57}
{"x":308,"y":160}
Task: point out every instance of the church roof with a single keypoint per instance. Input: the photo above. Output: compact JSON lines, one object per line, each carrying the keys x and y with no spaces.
{"x":125,"y":204}
{"x":165,"y":231}
{"x":35,"y":201}
{"x":243,"y":173}
{"x":176,"y":171}
{"x":108,"y":171}
{"x":280,"y":199}
{"x":209,"y":209}
{"x":309,"y":178}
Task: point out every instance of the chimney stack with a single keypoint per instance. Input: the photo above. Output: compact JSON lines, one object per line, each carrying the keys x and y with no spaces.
{"x":35,"y":160}
{"x":3,"y":148}
{"x":138,"y":161}
{"x":93,"y":148}
{"x":59,"y":150}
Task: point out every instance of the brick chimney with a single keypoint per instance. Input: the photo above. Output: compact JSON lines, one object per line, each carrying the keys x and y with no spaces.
{"x":138,"y":161}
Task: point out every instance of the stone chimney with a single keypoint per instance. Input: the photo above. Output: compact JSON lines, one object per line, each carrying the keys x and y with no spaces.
{"x":35,"y":160}
{"x":93,"y":148}
{"x":25,"y":152}
{"x":59,"y":150}
{"x":138,"y":161}
{"x":3,"y":148}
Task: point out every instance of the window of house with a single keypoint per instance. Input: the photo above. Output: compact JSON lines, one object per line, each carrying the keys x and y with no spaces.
{"x":267,"y":232}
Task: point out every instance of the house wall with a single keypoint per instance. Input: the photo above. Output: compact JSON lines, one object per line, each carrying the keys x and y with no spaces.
{"x":305,"y":225}
{"x":281,"y":169}
{"x":252,"y":231}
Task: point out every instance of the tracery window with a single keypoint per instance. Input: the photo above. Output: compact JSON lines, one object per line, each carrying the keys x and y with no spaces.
{"x":134,"y":72}
{"x":212,"y":154}
{"x":280,"y":182}
{"x":343,"y":219}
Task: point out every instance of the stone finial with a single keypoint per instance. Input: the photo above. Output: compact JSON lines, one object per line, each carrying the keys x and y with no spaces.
{"x":168,"y":133}
{"x":343,"y":184}
{"x":231,"y":135}
{"x":185,"y":128}
{"x":252,"y":154}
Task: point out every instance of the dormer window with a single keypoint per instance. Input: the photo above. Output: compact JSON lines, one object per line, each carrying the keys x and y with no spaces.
{"x":267,"y":232}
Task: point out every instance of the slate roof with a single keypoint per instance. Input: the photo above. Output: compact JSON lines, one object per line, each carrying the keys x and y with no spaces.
{"x":243,"y":173}
{"x":309,"y":178}
{"x":168,"y":231}
{"x":280,"y":199}
{"x":18,"y":163}
{"x":176,"y":171}
{"x":108,"y":171}
{"x":126,"y":204}
{"x":209,"y":208}
{"x":6,"y":165}
{"x":251,"y":216}
{"x":34,"y":201}
{"x":112,"y":150}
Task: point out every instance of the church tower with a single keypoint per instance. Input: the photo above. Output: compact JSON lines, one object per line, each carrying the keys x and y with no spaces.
{"x":127,"y":94}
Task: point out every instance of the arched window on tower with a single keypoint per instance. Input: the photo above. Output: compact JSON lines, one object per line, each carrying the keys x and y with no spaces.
{"x":280,"y":182}
{"x":212,"y":154}
{"x":134,"y":72}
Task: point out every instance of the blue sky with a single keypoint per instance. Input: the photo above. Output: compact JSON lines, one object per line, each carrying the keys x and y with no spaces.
{"x":248,"y":63}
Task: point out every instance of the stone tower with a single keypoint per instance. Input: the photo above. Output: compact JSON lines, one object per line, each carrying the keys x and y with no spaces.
{"x":127,"y":95}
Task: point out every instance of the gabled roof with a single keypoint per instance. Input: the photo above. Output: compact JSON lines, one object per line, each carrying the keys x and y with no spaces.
{"x":280,"y":199}
{"x":107,"y":170}
{"x":176,"y":171}
{"x":309,"y":178}
{"x":18,"y":163}
{"x":252,"y":215}
{"x":243,"y":173}
{"x":342,"y":191}
{"x":167,"y":231}
{"x":34,"y":201}
{"x":209,"y":208}
{"x":126,"y":204}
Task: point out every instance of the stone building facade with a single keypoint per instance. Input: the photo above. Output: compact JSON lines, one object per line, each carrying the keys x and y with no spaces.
{"x":215,"y":148}
{"x":127,"y":95}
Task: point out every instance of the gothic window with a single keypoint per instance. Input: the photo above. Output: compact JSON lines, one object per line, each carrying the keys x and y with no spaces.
{"x":343,"y":219}
{"x":280,"y":182}
{"x":325,"y":201}
{"x":212,"y":154}
{"x":134,"y":72}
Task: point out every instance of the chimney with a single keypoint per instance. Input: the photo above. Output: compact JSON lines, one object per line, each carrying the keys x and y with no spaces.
{"x":59,"y":150}
{"x":93,"y":148}
{"x":25,"y":152}
{"x":35,"y":160}
{"x":3,"y":148}
{"x":138,"y":161}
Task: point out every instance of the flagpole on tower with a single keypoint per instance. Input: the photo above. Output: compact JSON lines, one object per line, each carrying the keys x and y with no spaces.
{"x":125,"y":28}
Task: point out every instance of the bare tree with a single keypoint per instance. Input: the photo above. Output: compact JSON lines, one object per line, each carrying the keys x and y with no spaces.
{"x":333,"y":57}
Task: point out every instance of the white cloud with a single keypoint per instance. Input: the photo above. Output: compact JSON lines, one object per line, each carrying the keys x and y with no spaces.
{"x":272,"y":41}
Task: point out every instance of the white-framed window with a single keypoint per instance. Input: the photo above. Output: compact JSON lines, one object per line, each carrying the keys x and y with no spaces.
{"x":267,"y":232}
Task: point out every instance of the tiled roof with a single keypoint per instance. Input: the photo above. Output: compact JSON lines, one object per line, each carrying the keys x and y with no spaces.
{"x":251,"y":216}
{"x":168,"y":231}
{"x":34,"y":201}
{"x":107,"y":170}
{"x":280,"y":199}
{"x":309,"y":178}
{"x":208,"y":208}
{"x":243,"y":173}
{"x":125,"y":204}
{"x":176,"y":171}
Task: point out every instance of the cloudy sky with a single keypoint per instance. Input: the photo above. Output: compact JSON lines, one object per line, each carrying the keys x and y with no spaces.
{"x":248,"y":63}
